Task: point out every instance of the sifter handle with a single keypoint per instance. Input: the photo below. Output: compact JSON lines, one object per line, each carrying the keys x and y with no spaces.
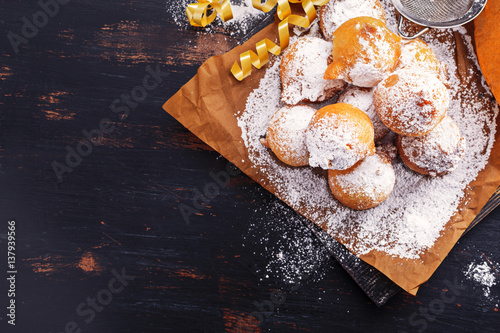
{"x":401,"y":33}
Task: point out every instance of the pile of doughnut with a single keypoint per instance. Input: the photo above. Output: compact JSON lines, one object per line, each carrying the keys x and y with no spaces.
{"x":391,"y":97}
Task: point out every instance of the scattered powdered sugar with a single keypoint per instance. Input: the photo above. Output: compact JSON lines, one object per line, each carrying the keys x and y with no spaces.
{"x":412,"y":218}
{"x":438,"y":152}
{"x":293,"y":253}
{"x":390,"y":15}
{"x":302,"y":70}
{"x":245,"y":17}
{"x":484,"y":274}
{"x":336,"y":12}
{"x":362,"y":98}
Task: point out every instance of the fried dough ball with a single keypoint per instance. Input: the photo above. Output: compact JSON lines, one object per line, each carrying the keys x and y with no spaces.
{"x":366,"y":184}
{"x":362,"y":98}
{"x":411,"y":103}
{"x":364,"y":52}
{"x":302,"y":68}
{"x":418,"y":55}
{"x":338,"y":136}
{"x":336,"y":12}
{"x":436,"y":153}
{"x":286,"y":134}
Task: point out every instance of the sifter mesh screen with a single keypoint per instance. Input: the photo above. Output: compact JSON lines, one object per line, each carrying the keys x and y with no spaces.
{"x":437,"y":10}
{"x":437,"y":13}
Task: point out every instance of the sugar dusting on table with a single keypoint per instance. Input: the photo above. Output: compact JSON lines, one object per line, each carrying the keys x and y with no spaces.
{"x":414,"y":215}
{"x":485,"y":274}
{"x":245,"y":17}
{"x":293,"y":254}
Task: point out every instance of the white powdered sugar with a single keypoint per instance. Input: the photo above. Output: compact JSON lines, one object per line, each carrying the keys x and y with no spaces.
{"x":411,"y":103}
{"x":305,"y":63}
{"x":286,"y":134}
{"x":372,"y":178}
{"x":376,"y":57}
{"x":336,"y":12}
{"x":484,"y":274}
{"x":282,"y":239}
{"x":333,"y":142}
{"x":416,"y":54}
{"x":362,"y":98}
{"x":416,"y":212}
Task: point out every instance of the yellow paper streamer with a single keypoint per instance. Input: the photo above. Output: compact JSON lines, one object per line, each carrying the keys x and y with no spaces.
{"x":258,"y":60}
{"x":198,"y":16}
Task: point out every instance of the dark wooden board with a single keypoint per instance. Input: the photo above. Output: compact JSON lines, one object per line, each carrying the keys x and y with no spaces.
{"x":119,"y":208}
{"x":375,"y":284}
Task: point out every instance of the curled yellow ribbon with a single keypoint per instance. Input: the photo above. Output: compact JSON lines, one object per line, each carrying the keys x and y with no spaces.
{"x":283,"y":10}
{"x":258,"y":60}
{"x":197,"y":13}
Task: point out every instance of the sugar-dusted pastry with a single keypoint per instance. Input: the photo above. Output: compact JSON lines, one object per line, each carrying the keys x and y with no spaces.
{"x":411,"y":102}
{"x":286,"y":134}
{"x":435,"y":153}
{"x":338,"y":136}
{"x":336,"y":12}
{"x":366,"y":184}
{"x":302,"y":68}
{"x":364,"y":52}
{"x":362,"y":98}
{"x":417,"y":54}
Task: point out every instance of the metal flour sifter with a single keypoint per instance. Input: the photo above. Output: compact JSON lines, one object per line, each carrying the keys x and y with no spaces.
{"x":437,"y":13}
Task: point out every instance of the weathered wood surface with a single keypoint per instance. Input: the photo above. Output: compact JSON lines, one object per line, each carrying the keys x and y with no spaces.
{"x":119,"y":207}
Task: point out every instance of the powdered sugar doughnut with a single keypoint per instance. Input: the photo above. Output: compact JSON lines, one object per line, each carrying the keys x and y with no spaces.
{"x":336,"y":12}
{"x":418,"y":55}
{"x":362,"y":98}
{"x":364,"y":52}
{"x":338,"y":136}
{"x":364,"y":185}
{"x":411,"y":103}
{"x":302,"y":68}
{"x":435,"y":153}
{"x":286,"y":134}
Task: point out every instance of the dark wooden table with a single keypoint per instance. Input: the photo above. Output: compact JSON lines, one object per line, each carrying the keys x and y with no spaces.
{"x":100,"y":243}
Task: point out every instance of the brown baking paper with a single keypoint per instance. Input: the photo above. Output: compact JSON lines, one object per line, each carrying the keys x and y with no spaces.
{"x":207,"y":104}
